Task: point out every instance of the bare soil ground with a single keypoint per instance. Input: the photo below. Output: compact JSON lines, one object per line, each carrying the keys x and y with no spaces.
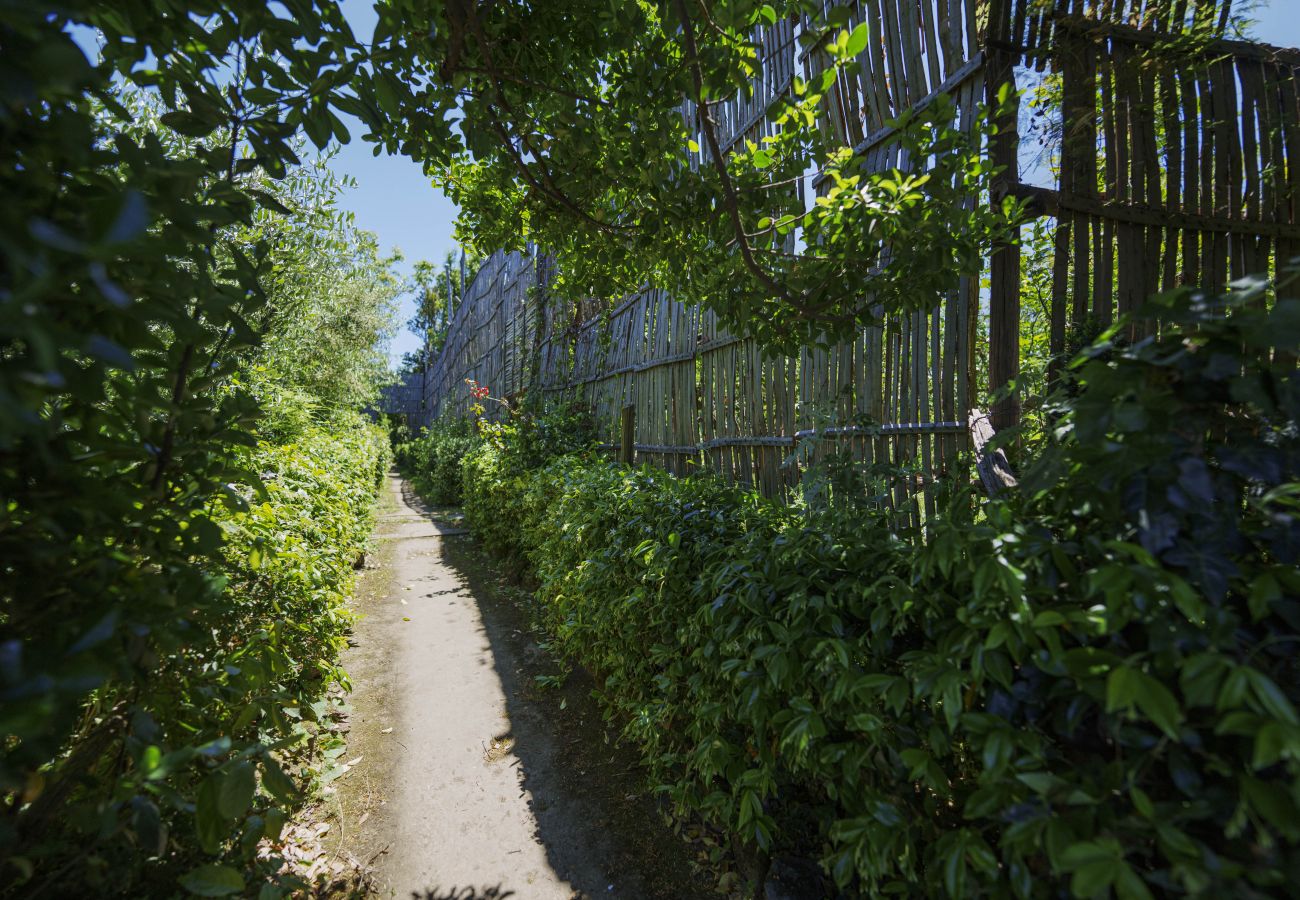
{"x":474,"y":781}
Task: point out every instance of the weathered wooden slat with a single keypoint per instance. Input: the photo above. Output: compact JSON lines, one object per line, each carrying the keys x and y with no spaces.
{"x":882,"y":104}
{"x":1212,"y":49}
{"x":1004,"y":264}
{"x":1149,"y":189}
{"x":949,"y":22}
{"x":1078,"y":177}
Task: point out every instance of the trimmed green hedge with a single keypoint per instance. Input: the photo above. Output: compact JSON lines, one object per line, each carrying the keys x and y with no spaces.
{"x":1088,"y":687}
{"x":290,"y":559}
{"x":196,"y":764}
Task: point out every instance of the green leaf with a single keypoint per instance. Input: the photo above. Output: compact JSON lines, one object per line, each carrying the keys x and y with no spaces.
{"x":212,"y":828}
{"x":147,"y":822}
{"x":954,"y":870}
{"x":274,"y":823}
{"x":1121,"y":689}
{"x":1127,"y":687}
{"x":1264,"y":590}
{"x":1094,"y":864}
{"x":339,"y":129}
{"x":1129,"y":885}
{"x":1174,"y":843}
{"x":188,"y":124}
{"x":1276,"y":806}
{"x":316,"y":122}
{"x":997,"y":750}
{"x":1092,"y":878}
{"x":1270,"y":743}
{"x":1039,"y":782}
{"x":1159,"y":704}
{"x":277,"y":783}
{"x":238,"y":784}
{"x":857,"y":41}
{"x":1141,"y":802}
{"x":268,"y":201}
{"x":213,"y":881}
{"x":1270,"y":696}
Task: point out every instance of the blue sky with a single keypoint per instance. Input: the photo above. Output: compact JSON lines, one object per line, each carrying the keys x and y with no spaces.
{"x":1278,"y":23}
{"x":393,"y":197}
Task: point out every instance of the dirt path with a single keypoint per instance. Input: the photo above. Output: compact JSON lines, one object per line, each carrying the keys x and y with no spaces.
{"x":473,"y":782}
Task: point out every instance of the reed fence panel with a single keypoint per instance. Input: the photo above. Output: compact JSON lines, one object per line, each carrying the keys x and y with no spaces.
{"x":1179,"y":165}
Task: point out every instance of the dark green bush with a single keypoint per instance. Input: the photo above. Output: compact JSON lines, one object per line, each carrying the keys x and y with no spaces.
{"x":496,"y":475}
{"x":434,"y":459}
{"x":1088,"y":687}
{"x":494,"y":487}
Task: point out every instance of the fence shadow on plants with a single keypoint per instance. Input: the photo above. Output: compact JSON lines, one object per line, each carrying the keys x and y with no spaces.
{"x":601,"y":828}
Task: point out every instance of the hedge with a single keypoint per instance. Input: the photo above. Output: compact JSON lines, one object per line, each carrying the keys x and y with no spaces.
{"x":1087,"y":687}
{"x":433,"y":458}
{"x":201,"y":760}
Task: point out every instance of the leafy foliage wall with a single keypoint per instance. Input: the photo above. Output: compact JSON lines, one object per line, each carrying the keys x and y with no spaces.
{"x":188,"y":325}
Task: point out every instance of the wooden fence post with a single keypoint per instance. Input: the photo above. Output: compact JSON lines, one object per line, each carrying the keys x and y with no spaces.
{"x":1004,"y":262}
{"x":627,"y":435}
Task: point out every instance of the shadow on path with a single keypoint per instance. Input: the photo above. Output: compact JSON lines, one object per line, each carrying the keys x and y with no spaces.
{"x":472,"y":781}
{"x":465,"y":893}
{"x":447,"y":520}
{"x":603,"y":833}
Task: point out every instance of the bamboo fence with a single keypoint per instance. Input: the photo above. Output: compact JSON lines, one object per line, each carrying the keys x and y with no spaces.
{"x":1179,"y":165}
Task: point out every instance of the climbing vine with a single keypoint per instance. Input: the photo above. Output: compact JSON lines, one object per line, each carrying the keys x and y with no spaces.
{"x":578,"y":143}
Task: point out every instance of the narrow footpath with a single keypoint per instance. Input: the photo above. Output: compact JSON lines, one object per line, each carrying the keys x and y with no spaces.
{"x":476,"y":781}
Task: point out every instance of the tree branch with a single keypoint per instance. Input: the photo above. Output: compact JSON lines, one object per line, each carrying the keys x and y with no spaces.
{"x":729,"y":197}
{"x":550,"y":189}
{"x":537,"y":85}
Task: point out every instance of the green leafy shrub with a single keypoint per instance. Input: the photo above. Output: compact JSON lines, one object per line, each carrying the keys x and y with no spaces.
{"x":179,"y":285}
{"x":1088,"y":687}
{"x":434,"y":459}
{"x":494,"y":491}
{"x":402,"y":441}
{"x":498,"y":472}
{"x":193,"y":762}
